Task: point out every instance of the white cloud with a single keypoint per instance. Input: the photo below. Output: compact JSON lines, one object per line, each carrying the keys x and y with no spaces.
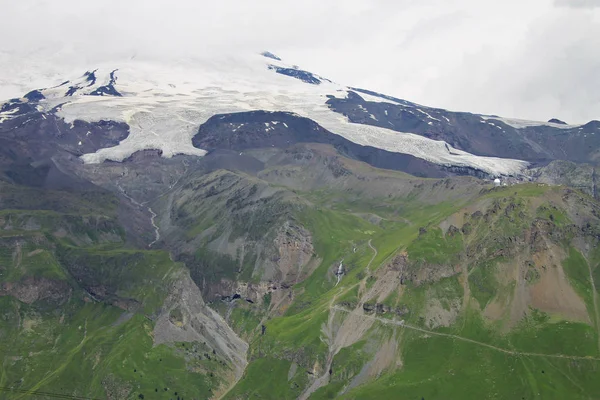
{"x":534,"y":59}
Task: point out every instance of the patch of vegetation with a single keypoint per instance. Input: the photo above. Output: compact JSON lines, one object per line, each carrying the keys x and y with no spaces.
{"x":577,"y":270}
{"x":532,"y":275}
{"x":537,"y":333}
{"x":296,"y":337}
{"x":243,"y":320}
{"x":267,"y":378}
{"x":483,"y":283}
{"x":349,"y":362}
{"x":552,"y":213}
{"x":115,"y":275}
{"x":210,"y":266}
{"x":370,"y":281}
{"x":439,"y":367}
{"x":73,"y":351}
{"x":435,"y":248}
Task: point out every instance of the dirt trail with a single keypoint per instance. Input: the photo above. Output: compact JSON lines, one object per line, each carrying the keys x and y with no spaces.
{"x":337,"y":340}
{"x":500,"y":349}
{"x":372,"y":258}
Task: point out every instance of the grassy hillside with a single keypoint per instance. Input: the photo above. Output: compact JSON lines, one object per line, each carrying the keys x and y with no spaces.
{"x":79,"y":308}
{"x":345,"y":280}
{"x":492,"y":297}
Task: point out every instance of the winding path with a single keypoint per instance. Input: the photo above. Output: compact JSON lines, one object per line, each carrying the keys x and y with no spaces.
{"x":323,"y":379}
{"x":372,"y":258}
{"x":464,"y":339}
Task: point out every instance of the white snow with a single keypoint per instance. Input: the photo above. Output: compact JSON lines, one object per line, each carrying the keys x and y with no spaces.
{"x":428,"y":116}
{"x":522,"y":123}
{"x":163,"y":117}
{"x":446,"y":118}
{"x":11,"y":112}
{"x":6,"y":115}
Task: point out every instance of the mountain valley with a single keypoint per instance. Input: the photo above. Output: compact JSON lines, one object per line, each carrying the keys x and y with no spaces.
{"x":262,"y":232}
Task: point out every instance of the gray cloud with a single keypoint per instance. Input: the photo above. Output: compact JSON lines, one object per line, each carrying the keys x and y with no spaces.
{"x":534,"y":59}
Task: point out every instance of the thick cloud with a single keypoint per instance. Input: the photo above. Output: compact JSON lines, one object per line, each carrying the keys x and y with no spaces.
{"x":535,"y":59}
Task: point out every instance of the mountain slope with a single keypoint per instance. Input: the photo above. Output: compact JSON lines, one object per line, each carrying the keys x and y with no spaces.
{"x":512,"y":309}
{"x":86,"y":315}
{"x":243,"y":228}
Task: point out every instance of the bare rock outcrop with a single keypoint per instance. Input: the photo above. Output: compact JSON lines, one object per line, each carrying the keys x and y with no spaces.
{"x":186,"y":318}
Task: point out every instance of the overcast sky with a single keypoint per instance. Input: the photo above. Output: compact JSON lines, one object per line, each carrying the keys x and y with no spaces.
{"x":534,"y":59}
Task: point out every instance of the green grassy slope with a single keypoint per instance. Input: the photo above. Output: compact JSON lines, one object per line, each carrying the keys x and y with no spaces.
{"x":451,"y":344}
{"x":78,"y":306}
{"x":450,"y":289}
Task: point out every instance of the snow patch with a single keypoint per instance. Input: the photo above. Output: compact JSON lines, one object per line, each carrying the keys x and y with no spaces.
{"x":522,"y":123}
{"x":428,"y":116}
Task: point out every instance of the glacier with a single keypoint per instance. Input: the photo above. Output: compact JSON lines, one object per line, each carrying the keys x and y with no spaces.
{"x":165,"y":103}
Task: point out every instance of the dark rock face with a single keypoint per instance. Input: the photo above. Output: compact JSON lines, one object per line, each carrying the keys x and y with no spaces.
{"x":91,"y":77}
{"x":557,"y":121}
{"x":261,"y":129}
{"x":578,"y":176}
{"x":379,"y":308}
{"x":17,"y":107}
{"x":47,"y":132}
{"x":304,"y":76}
{"x":72,"y":90}
{"x":33,"y":289}
{"x":31,"y":140}
{"x":268,"y":54}
{"x":34,"y":96}
{"x":108,"y":89}
{"x":473,"y":133}
{"x":453,"y":231}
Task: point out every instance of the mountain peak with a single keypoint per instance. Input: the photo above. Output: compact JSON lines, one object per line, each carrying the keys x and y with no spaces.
{"x":557,"y":121}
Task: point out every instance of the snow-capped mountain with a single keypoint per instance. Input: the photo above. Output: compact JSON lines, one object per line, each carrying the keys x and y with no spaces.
{"x":165,"y":105}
